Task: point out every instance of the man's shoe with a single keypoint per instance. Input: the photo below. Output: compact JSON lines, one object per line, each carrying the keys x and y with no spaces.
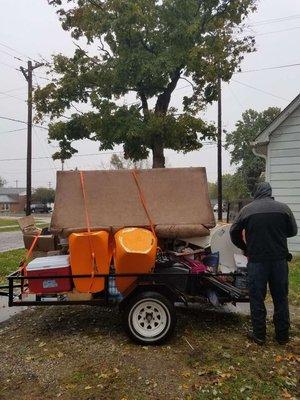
{"x":282,"y":340}
{"x":260,"y":341}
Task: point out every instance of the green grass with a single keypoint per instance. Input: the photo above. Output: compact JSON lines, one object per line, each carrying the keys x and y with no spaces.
{"x":14,"y":228}
{"x":8,"y":221}
{"x":294,"y":275}
{"x":9,"y":262}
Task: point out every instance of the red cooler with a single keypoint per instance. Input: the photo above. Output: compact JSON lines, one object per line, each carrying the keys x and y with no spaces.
{"x":49,"y":266}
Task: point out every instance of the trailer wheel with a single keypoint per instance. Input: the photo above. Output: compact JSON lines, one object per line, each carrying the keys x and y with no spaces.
{"x":149,"y":318}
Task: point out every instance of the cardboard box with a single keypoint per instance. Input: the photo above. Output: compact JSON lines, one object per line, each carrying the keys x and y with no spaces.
{"x":44,"y":243}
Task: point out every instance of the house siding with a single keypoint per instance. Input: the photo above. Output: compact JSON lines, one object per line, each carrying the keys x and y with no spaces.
{"x":283,"y":168}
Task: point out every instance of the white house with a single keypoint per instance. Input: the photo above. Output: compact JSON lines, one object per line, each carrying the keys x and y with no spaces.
{"x":279,"y":144}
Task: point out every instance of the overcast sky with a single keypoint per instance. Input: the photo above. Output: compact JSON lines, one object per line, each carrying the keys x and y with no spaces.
{"x":31,"y":28}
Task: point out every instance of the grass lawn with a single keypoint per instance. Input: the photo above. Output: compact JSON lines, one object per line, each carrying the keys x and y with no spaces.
{"x":8,"y":221}
{"x":16,"y":228}
{"x":9,"y":261}
{"x":294,"y":275}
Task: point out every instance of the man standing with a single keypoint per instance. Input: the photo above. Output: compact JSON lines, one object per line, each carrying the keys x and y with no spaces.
{"x":267,"y":225}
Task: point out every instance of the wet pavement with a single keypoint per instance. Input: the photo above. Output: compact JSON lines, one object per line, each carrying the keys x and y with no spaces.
{"x":11,"y":240}
{"x":7,"y":312}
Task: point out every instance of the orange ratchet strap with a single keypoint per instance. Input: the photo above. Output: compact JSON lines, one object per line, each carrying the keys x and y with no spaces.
{"x":143,"y":201}
{"x":88,"y":224}
{"x":24,"y":262}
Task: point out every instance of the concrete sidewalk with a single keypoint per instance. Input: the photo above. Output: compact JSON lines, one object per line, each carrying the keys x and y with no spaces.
{"x":11,"y":240}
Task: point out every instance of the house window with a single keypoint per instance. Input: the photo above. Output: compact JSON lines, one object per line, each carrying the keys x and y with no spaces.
{"x":4,"y":207}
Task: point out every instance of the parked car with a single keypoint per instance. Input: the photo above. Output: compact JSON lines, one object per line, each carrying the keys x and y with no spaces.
{"x":39,"y":208}
{"x":223,"y":208}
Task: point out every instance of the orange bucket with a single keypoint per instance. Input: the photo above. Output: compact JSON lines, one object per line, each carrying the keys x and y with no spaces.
{"x":81,"y":247}
{"x":135,"y":252}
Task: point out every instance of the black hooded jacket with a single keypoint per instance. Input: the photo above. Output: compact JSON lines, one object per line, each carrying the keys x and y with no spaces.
{"x":267,"y":224}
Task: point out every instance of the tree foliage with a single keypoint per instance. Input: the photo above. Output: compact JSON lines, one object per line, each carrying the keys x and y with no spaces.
{"x":239,"y":142}
{"x":234,"y":188}
{"x":143,"y":47}
{"x":43,"y":195}
{"x":119,"y":162}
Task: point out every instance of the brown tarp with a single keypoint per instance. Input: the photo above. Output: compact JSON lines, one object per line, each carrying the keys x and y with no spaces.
{"x":176,"y":198}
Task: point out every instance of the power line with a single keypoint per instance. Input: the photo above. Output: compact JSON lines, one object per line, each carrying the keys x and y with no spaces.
{"x":9,"y":65}
{"x":22,"y":122}
{"x":13,"y":90}
{"x":16,"y":51}
{"x":13,"y":130}
{"x":268,"y":68}
{"x":84,"y":155}
{"x":74,"y":155}
{"x":43,"y":77}
{"x":281,"y":30}
{"x":12,"y":96}
{"x":11,"y":55}
{"x":275,"y":20}
{"x":259,"y":90}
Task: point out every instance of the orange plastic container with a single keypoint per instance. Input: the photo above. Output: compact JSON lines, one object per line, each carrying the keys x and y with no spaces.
{"x":135,"y":252}
{"x":82,"y":262}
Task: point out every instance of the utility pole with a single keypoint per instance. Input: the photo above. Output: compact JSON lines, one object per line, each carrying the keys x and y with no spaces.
{"x":16,"y":183}
{"x":28,"y":76}
{"x":220,"y":197}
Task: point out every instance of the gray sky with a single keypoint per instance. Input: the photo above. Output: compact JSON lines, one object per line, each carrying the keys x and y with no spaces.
{"x":31,"y":28}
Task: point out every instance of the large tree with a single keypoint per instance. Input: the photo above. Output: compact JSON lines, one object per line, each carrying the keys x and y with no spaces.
{"x":143,"y":47}
{"x":239,"y":142}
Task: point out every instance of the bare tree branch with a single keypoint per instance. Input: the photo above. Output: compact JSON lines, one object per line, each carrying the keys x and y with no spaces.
{"x":191,"y":83}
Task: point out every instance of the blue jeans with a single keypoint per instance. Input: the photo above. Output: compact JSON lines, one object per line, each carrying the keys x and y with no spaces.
{"x":274,"y":273}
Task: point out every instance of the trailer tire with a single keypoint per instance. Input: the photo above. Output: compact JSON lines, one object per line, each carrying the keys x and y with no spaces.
{"x":149,"y":318}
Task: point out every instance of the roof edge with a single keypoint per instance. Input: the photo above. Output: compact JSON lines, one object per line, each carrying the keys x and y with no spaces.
{"x":264,"y":135}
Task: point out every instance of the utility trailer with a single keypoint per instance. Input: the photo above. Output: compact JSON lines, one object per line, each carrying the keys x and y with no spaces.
{"x":145,"y":217}
{"x":147,"y":309}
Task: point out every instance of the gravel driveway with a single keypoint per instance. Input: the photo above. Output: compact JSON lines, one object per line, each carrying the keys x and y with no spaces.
{"x":11,"y":240}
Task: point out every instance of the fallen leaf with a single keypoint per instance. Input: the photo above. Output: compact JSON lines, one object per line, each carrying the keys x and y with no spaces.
{"x":286,"y":395}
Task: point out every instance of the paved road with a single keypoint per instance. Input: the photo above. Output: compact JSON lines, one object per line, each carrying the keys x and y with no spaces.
{"x":11,"y":240}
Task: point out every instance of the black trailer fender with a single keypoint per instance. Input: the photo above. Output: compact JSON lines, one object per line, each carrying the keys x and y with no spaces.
{"x":171,"y":293}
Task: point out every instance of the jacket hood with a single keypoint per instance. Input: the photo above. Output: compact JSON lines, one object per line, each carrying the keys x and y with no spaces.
{"x":263,"y":190}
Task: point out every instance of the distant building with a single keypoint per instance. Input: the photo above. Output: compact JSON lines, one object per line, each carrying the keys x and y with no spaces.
{"x":279,"y":145}
{"x":12,"y":199}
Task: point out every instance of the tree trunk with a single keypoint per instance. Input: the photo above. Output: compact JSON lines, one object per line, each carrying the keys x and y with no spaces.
{"x":158,"y":155}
